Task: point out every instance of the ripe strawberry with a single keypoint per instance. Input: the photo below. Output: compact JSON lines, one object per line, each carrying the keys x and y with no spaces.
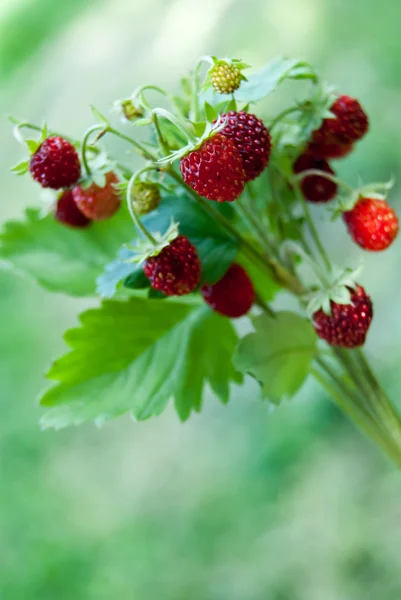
{"x":225,"y":78}
{"x":68,"y":213}
{"x":98,"y":203}
{"x":232,"y":295}
{"x":350,"y":123}
{"x":348,"y":324}
{"x":324,"y":150}
{"x":252,"y":140}
{"x":55,"y":164}
{"x":372,"y":224}
{"x":215,"y":169}
{"x":145,"y":197}
{"x":315,"y":188}
{"x":176,"y":270}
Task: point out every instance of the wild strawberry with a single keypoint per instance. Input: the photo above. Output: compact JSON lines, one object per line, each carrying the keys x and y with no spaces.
{"x":215,"y":169}
{"x":348,"y":324}
{"x":349,"y":124}
{"x":225,"y":78}
{"x":232,"y":295}
{"x":98,"y":203}
{"x":324,"y":150}
{"x":145,"y":197}
{"x":176,"y":270}
{"x":55,"y":164}
{"x":68,"y":213}
{"x":315,"y":188}
{"x":372,"y":224}
{"x":252,"y":140}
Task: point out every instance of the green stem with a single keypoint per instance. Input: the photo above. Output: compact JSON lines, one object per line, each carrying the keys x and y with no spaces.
{"x":282,"y":116}
{"x":312,"y":228}
{"x":162,"y":142}
{"x":126,"y":172}
{"x":254,"y":224}
{"x":132,"y":210}
{"x":259,"y":301}
{"x":141,"y":149}
{"x":195,"y":93}
{"x":84,"y":144}
{"x":346,"y":404}
{"x":192,"y":139}
{"x":317,"y":172}
{"x":385,"y":407}
{"x":269,"y":265}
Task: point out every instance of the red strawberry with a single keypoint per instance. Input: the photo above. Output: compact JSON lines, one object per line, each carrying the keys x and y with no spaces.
{"x":252,"y":139}
{"x":314,"y":187}
{"x":215,"y":170}
{"x":55,"y":164}
{"x":350,"y":123}
{"x":68,"y":213}
{"x":348,"y":324}
{"x":176,"y":270}
{"x":372,"y":224}
{"x":324,"y":150}
{"x":98,"y":203}
{"x":232,"y":295}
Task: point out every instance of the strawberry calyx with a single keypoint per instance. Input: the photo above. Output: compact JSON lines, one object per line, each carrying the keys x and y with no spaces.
{"x":377,"y":190}
{"x":147,"y":248}
{"x":337,"y":288}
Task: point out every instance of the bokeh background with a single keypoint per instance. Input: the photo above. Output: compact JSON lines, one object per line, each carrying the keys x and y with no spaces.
{"x":238,"y":503}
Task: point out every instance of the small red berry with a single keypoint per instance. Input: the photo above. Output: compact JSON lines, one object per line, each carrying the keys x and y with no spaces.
{"x":324,"y":150}
{"x":372,"y":224}
{"x":252,"y":139}
{"x":350,"y":123}
{"x":348,"y":324}
{"x":315,"y":188}
{"x":176,"y":270}
{"x":98,"y":203}
{"x":233,"y":295}
{"x":68,"y":213}
{"x":55,"y":164}
{"x":215,"y":169}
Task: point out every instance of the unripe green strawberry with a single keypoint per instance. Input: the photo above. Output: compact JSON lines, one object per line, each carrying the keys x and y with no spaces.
{"x":145,"y":197}
{"x":225,"y":78}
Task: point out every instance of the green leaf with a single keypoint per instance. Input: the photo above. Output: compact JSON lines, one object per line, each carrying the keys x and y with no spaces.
{"x":135,"y":356}
{"x":116,"y":272}
{"x":279,"y":354}
{"x":61,"y":258}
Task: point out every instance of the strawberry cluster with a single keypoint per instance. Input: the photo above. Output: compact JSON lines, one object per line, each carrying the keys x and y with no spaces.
{"x":56,"y":165}
{"x":235,"y":148}
{"x":334,"y":139}
{"x":224,"y":163}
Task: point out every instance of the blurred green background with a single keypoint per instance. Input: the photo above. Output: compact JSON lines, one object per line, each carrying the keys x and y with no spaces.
{"x":238,"y":503}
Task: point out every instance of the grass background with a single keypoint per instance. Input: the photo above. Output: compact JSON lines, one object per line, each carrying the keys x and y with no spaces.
{"x":238,"y":503}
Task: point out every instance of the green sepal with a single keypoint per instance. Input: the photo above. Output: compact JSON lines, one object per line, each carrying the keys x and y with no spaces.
{"x":21,"y":168}
{"x":337,"y":290}
{"x":145,"y":249}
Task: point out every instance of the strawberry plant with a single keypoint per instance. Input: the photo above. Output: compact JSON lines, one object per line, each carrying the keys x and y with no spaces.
{"x":214,"y":226}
